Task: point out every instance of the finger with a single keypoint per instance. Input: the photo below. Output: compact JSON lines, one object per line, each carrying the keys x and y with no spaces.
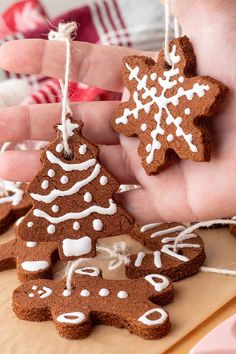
{"x":35,"y":122}
{"x":23,"y":166}
{"x":90,"y":63}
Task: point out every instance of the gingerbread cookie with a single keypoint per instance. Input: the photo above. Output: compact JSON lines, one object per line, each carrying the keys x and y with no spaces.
{"x":120,"y":303}
{"x":32,"y":260}
{"x":73,"y":199}
{"x":13,"y":204}
{"x":166,"y":107}
{"x":160,"y":239}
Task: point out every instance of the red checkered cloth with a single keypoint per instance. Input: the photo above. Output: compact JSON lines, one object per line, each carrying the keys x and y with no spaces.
{"x":110,"y":22}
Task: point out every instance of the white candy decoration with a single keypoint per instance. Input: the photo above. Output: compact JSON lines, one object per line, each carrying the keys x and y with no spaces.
{"x":64,"y":179}
{"x":51,"y":229}
{"x":45,"y":184}
{"x":76,"y":225}
{"x":122,"y":294}
{"x":30,"y":224}
{"x":162,"y":101}
{"x":97,"y":225}
{"x":88,"y":197}
{"x":85,"y":293}
{"x":103,"y":180}
{"x":51,"y":173}
{"x":145,"y":320}
{"x":55,"y":208}
{"x":66,"y":317}
{"x":83,"y":149}
{"x":104,"y":292}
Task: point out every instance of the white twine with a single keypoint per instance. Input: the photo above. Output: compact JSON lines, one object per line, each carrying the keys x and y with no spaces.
{"x":167,"y":31}
{"x":117,"y":254}
{"x":197,"y":226}
{"x":64,"y":33}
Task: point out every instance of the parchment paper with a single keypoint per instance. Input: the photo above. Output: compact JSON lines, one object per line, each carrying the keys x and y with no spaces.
{"x":197,"y":298}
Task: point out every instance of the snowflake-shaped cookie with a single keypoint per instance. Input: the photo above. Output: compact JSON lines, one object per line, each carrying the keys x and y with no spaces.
{"x":165,"y":107}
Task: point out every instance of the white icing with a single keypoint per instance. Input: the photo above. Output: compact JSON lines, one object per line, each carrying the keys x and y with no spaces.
{"x":45,"y":184}
{"x":78,"y":247}
{"x":139,"y":259}
{"x":30,"y":224}
{"x":34,"y":266}
{"x":170,"y":239}
{"x":66,"y":317}
{"x":74,"y":189}
{"x":168,"y":231}
{"x":31,"y":244}
{"x":88,"y":197}
{"x":97,"y":225}
{"x":122,"y":294}
{"x":34,"y":287}
{"x":51,"y":229}
{"x":83,"y":149}
{"x":69,"y":127}
{"x":51,"y":173}
{"x":83,"y":166}
{"x":15,"y":193}
{"x":157,"y":259}
{"x":40,"y":292}
{"x":86,"y":271}
{"x":170,"y":137}
{"x":46,"y":292}
{"x":181,"y":79}
{"x":85,"y":293}
{"x":187,"y":111}
{"x":111,"y":210}
{"x":55,"y":208}
{"x":153,"y":76}
{"x":76,"y":225}
{"x":64,"y":179}
{"x":144,"y":127}
{"x":19,"y":221}
{"x":59,"y":148}
{"x":148,"y":227}
{"x":162,"y":101}
{"x":103,"y":180}
{"x":104,"y":292}
{"x":158,"y":286}
{"x":31,"y":295}
{"x":169,"y":249}
{"x":66,"y":293}
{"x":148,"y":147}
{"x":145,"y":320}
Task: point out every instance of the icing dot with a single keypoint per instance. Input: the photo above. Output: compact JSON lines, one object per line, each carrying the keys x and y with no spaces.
{"x":55,"y":208}
{"x":76,"y":226}
{"x":40,"y":292}
{"x":122,"y":294}
{"x":51,"y":173}
{"x":34,"y":287}
{"x":85,"y":293}
{"x":30,"y":224}
{"x":97,"y":224}
{"x":66,"y":292}
{"x":30,"y":244}
{"x":45,"y":184}
{"x":82,"y":149}
{"x":148,"y":147}
{"x":59,"y":148}
{"x":103,"y":180}
{"x":153,"y":76}
{"x":51,"y":229}
{"x":104,"y":292}
{"x":187,"y":111}
{"x":181,"y":79}
{"x":144,"y":127}
{"x":88,"y":197}
{"x":64,"y":179}
{"x":170,"y":137}
{"x":31,"y":295}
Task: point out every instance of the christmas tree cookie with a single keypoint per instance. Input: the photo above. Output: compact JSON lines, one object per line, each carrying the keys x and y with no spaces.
{"x":168,"y":106}
{"x":72,"y":198}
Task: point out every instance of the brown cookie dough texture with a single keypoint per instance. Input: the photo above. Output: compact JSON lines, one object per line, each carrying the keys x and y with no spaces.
{"x":32,"y":260}
{"x":160,"y":238}
{"x":73,"y":201}
{"x":168,"y":106}
{"x":132,"y":304}
{"x":13,"y":205}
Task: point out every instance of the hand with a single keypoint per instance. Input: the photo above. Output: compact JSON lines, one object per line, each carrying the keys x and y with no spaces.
{"x":186,"y":191}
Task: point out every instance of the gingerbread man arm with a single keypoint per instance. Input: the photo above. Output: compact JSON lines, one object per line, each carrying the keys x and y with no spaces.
{"x":122,"y":303}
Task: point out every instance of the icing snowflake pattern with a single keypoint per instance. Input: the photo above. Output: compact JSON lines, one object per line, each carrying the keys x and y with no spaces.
{"x":163,"y":105}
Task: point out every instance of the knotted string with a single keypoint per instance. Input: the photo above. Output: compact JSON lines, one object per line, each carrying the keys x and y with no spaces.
{"x":65,"y":33}
{"x":190,"y":229}
{"x":167,"y":31}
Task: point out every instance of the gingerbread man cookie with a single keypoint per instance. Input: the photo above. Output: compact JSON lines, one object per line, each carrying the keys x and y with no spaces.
{"x":132,"y":304}
{"x":73,"y":198}
{"x":32,"y":260}
{"x":13,"y":203}
{"x":160,"y":239}
{"x":167,"y":106}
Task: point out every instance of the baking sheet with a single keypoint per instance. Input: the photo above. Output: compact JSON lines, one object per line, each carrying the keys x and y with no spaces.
{"x":197,"y":298}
